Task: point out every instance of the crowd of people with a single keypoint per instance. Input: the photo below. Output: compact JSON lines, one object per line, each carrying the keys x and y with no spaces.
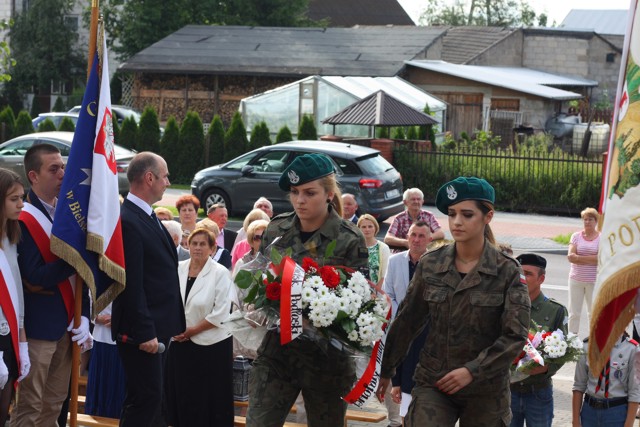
{"x":461,"y":311}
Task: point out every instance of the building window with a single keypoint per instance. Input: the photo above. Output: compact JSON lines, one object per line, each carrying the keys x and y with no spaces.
{"x":611,"y":57}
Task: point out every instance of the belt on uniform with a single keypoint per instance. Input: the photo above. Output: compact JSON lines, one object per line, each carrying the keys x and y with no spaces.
{"x":596,"y":403}
{"x":523,"y":388}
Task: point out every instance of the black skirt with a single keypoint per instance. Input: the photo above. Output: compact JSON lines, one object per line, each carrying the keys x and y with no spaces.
{"x":199,"y":385}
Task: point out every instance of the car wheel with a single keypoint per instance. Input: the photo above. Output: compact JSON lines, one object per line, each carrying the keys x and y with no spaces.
{"x":213,"y":196}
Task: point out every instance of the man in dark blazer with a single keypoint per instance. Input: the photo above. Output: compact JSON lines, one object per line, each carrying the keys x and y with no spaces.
{"x":218,"y":213}
{"x":149,"y":311}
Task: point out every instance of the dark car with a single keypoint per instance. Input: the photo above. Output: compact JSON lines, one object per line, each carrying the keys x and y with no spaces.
{"x":362,"y":171}
{"x":12,"y":154}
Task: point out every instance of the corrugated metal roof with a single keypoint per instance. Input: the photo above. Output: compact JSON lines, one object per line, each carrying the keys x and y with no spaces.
{"x":360,"y":51}
{"x":347,"y":13}
{"x":600,"y":21}
{"x":461,"y":44}
{"x":380,"y":109}
{"x":519,"y":79}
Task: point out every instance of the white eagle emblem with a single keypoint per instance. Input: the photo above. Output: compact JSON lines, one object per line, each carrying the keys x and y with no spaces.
{"x":451,"y":193}
{"x":293,"y":177}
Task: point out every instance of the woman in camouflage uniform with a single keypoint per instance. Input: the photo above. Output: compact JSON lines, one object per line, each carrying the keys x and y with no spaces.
{"x":323,"y":374}
{"x":479,"y":306}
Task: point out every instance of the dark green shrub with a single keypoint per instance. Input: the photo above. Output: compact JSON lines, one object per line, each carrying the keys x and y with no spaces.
{"x":216,"y":141}
{"x":260,"y":136}
{"x":412,"y":133}
{"x":129,"y":134}
{"x":67,"y":125}
{"x":8,"y":122}
{"x":307,"y":129}
{"x":235,"y":140}
{"x":398,"y":133}
{"x":382,"y":132}
{"x":59,"y":106}
{"x":35,"y":107}
{"x":170,"y":144}
{"x":47,"y":125}
{"x":23,"y":124}
{"x":284,"y":135}
{"x":149,"y":131}
{"x":191,"y":148}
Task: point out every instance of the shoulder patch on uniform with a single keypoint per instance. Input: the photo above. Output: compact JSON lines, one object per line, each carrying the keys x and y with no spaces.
{"x":632,"y":341}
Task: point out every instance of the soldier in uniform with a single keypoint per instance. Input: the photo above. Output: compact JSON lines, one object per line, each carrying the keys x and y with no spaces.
{"x":532,"y":398}
{"x":612,"y":398}
{"x":478,"y":306}
{"x":323,"y":374}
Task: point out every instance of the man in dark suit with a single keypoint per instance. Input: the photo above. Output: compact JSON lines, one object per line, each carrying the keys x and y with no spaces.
{"x":218,"y":214}
{"x":149,"y":311}
{"x":48,"y":297}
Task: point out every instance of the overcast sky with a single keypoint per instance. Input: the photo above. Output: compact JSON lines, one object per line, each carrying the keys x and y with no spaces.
{"x":555,"y":9}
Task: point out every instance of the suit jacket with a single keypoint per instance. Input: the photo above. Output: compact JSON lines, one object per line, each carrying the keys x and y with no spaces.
{"x":229,"y":239}
{"x":209,"y":298}
{"x":182,"y":253}
{"x":45,"y":315}
{"x":396,"y":280}
{"x":150,"y":305}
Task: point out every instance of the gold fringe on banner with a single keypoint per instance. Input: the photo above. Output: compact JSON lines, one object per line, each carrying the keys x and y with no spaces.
{"x":95,"y":243}
{"x":621,"y":282}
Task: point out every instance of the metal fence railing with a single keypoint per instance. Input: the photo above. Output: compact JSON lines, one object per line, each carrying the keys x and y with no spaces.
{"x":530,"y":180}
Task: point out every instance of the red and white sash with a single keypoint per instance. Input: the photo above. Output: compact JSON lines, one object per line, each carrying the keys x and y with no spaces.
{"x":39,"y":227}
{"x":9,"y":302}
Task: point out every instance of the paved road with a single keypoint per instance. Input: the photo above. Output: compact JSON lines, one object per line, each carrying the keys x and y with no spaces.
{"x":525,"y":233}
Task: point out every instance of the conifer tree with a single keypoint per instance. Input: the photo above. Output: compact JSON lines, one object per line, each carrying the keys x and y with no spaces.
{"x":129,"y":134}
{"x":149,"y":131}
{"x":170,"y":144}
{"x":235,"y":140}
{"x":284,"y":135}
{"x":66,"y":125}
{"x":59,"y":106}
{"x":23,"y":124}
{"x":307,"y":129}
{"x":260,"y":136}
{"x":191,"y":147}
{"x":8,"y":120}
{"x":216,"y":141}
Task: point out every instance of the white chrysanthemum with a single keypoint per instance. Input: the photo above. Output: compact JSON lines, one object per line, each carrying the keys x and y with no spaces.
{"x":322,"y":291}
{"x":555,"y":351}
{"x":313,"y":282}
{"x":353,"y":336}
{"x":381,"y":308}
{"x":365,"y":319}
{"x":574,"y":341}
{"x":554,"y":339}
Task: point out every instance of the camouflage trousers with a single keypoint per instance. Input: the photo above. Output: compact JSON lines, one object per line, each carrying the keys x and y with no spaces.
{"x":279,"y":374}
{"x":430,"y":407}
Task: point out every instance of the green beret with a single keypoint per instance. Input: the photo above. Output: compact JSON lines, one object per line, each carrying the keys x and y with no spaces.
{"x":532,"y":259}
{"x":461,"y":189}
{"x":304,"y":169}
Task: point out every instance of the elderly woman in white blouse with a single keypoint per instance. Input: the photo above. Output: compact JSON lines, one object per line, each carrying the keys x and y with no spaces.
{"x":200,"y":361}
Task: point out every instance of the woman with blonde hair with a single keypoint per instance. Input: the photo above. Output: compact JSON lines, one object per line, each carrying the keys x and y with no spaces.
{"x":254,"y":239}
{"x":219,"y":255}
{"x":242,"y":246}
{"x":583,"y":256}
{"x":378,"y":251}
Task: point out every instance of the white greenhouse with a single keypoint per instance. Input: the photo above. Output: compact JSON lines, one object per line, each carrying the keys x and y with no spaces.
{"x":323,"y":96}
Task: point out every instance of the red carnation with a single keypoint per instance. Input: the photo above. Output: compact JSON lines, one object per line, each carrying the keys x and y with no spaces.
{"x":330,"y":276}
{"x":273,"y":291}
{"x":309,"y":265}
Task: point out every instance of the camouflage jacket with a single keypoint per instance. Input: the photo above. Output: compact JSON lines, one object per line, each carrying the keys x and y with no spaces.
{"x":480,"y":322}
{"x":351,"y":250}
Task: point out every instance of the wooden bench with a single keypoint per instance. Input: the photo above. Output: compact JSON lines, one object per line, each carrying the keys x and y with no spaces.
{"x":92,"y":421}
{"x":352,"y":414}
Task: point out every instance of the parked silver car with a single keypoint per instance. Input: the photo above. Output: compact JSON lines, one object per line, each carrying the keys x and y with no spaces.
{"x":12,"y":154}
{"x":362,"y":171}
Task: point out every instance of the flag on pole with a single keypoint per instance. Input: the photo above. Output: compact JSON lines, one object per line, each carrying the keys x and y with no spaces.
{"x":86,"y":230}
{"x":618,"y":277}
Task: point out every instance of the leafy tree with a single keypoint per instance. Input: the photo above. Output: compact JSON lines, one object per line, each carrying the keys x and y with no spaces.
{"x":44,"y":47}
{"x":149,"y":131}
{"x":382,"y":132}
{"x":66,"y":125}
{"x":23,"y":124}
{"x":135,"y":25}
{"x":129,"y":133}
{"x":398,"y":133}
{"x":191,"y":147}
{"x":307,"y":129}
{"x":284,"y":135}
{"x":235,"y":140}
{"x":494,"y":13}
{"x":216,"y":141}
{"x":47,"y":125}
{"x":170,"y":143}
{"x":260,"y":136}
{"x":6,"y":61}
{"x":8,"y":122}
